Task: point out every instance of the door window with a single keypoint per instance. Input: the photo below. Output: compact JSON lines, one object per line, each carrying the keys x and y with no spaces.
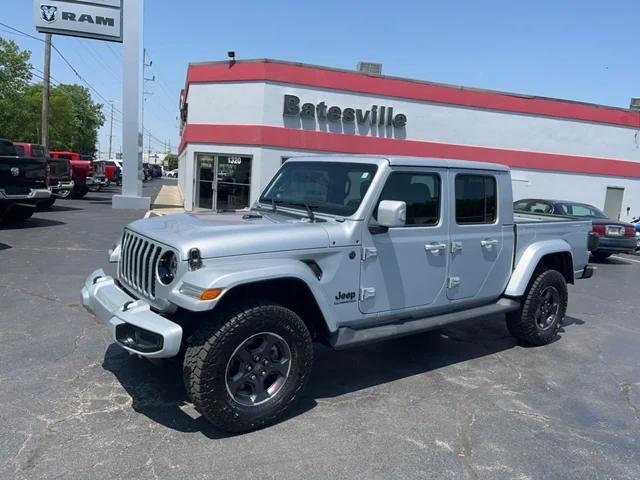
{"x":476,"y":199}
{"x":421,"y":193}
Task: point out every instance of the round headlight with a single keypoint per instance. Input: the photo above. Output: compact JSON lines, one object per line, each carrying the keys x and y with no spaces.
{"x":167,"y":267}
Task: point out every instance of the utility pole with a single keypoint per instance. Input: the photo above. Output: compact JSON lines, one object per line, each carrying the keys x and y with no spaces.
{"x":149,"y":151}
{"x":110,"y":132}
{"x":45,"y":90}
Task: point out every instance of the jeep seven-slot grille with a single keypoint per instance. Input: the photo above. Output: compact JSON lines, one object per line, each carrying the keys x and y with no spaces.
{"x":138,"y":260}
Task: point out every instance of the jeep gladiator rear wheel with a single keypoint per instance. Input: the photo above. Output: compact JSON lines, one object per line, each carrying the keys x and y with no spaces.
{"x":244,"y":369}
{"x":543,"y":309}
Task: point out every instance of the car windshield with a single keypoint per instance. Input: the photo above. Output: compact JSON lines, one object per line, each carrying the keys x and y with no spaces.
{"x":580,"y":210}
{"x":335,"y":188}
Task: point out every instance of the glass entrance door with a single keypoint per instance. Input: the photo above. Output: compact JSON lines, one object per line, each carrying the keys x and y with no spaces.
{"x":223,"y":182}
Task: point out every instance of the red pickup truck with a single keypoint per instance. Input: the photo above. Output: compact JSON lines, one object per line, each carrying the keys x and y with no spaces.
{"x":82,"y":172}
{"x":60,"y":181}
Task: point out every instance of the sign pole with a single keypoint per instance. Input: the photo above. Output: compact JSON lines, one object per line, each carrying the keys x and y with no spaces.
{"x":132,"y":60}
{"x":46,"y":89}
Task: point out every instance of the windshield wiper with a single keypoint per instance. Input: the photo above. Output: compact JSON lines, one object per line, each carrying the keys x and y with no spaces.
{"x":307,"y":207}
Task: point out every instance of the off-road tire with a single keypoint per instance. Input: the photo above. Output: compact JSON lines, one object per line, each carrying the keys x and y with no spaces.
{"x":522,"y":324}
{"x":211,"y":347}
{"x":80,"y":192}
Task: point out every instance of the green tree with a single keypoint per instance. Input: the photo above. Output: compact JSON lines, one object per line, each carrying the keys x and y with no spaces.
{"x":62,"y":122}
{"x":88,"y":118}
{"x":171,"y":161}
{"x":15,"y":75}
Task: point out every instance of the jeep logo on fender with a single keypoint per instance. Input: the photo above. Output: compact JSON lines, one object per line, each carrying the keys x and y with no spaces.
{"x":376,"y":115}
{"x":345,"y":297}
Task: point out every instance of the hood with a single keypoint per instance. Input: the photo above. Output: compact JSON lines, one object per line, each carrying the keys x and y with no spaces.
{"x":222,"y":235}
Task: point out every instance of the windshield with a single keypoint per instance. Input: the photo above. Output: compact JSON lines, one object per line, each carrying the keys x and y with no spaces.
{"x":325,"y":187}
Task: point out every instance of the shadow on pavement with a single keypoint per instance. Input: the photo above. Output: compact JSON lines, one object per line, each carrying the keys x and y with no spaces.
{"x":4,"y":246}
{"x":33,"y":222}
{"x":56,"y":207}
{"x":158,"y":391}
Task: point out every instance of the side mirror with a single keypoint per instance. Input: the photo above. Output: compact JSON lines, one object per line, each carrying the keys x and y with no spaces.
{"x":392,"y":213}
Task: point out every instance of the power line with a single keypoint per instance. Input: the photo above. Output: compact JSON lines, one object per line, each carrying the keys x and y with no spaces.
{"x":73,"y":69}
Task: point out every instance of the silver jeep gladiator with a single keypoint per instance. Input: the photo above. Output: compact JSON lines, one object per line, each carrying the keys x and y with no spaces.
{"x":337,"y":249}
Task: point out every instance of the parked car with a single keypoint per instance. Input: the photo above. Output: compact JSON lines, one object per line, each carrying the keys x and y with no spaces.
{"x":60,"y":176}
{"x":146,"y":172}
{"x":156,"y":170}
{"x":81,"y":170}
{"x":614,"y":236}
{"x":341,"y":250}
{"x":173,"y":173}
{"x":636,"y":224}
{"x":109,"y":168}
{"x":23,"y":182}
{"x":98,"y":178}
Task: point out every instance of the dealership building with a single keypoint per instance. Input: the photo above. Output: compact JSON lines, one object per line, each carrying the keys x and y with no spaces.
{"x":242,"y":120}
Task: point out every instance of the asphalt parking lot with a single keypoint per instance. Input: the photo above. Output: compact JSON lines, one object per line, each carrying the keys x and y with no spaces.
{"x":465,"y":402}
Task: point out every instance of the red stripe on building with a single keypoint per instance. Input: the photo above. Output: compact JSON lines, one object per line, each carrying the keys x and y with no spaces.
{"x":256,"y":135}
{"x":406,"y":89}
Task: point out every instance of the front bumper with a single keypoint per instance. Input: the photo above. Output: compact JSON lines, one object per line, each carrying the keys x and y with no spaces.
{"x":62,"y":186}
{"x":131,"y":322}
{"x":34,"y":194}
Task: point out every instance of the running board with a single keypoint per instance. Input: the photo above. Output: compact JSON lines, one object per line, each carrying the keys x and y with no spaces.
{"x":347,"y":337}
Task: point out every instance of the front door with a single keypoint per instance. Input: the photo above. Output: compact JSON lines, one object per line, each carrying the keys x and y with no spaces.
{"x":481,"y":247}
{"x":223,"y":182}
{"x":406,"y":267}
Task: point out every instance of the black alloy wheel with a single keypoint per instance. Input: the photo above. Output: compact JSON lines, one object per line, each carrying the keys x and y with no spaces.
{"x":258,"y":369}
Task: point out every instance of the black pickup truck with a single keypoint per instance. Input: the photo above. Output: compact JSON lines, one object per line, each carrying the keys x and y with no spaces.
{"x":23,"y":182}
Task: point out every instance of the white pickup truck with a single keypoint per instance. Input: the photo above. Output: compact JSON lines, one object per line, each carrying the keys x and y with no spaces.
{"x":341,"y":250}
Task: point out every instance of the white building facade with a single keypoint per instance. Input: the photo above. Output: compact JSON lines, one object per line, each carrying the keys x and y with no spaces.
{"x":241,"y":121}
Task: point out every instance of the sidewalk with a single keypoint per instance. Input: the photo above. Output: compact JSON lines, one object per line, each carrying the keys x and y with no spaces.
{"x":167,"y":201}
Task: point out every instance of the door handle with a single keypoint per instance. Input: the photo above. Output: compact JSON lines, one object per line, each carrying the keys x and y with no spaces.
{"x":488,"y":243}
{"x":435,"y":247}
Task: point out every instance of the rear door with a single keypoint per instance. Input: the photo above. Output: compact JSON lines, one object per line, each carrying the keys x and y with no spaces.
{"x":481,"y":245}
{"x":406,"y":267}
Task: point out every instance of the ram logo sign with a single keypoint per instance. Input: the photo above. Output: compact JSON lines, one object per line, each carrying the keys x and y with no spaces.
{"x":48,"y":13}
{"x":100,"y":19}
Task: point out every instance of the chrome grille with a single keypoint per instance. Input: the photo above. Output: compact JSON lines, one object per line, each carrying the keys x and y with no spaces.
{"x":138,"y":260}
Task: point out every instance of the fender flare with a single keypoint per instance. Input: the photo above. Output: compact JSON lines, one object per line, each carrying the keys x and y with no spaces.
{"x":528,"y":262}
{"x":229,"y":275}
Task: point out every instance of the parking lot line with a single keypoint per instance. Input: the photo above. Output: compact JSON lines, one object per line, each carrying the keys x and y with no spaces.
{"x":624,"y":258}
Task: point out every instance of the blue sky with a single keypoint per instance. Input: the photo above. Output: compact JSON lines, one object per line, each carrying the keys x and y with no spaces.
{"x":580,"y":49}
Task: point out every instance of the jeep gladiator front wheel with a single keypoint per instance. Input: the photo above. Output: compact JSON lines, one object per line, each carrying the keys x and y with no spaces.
{"x":543,"y":309}
{"x":244,"y":369}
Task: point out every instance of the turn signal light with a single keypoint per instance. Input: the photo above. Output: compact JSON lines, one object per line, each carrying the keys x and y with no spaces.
{"x":211,"y":294}
{"x":599,"y":229}
{"x":629,"y":231}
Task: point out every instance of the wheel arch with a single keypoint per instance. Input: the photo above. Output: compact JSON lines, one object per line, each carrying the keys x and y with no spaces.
{"x":551,"y":254}
{"x":290,"y":292}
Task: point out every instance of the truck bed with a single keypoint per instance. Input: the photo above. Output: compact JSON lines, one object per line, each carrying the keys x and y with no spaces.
{"x":531,"y":227}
